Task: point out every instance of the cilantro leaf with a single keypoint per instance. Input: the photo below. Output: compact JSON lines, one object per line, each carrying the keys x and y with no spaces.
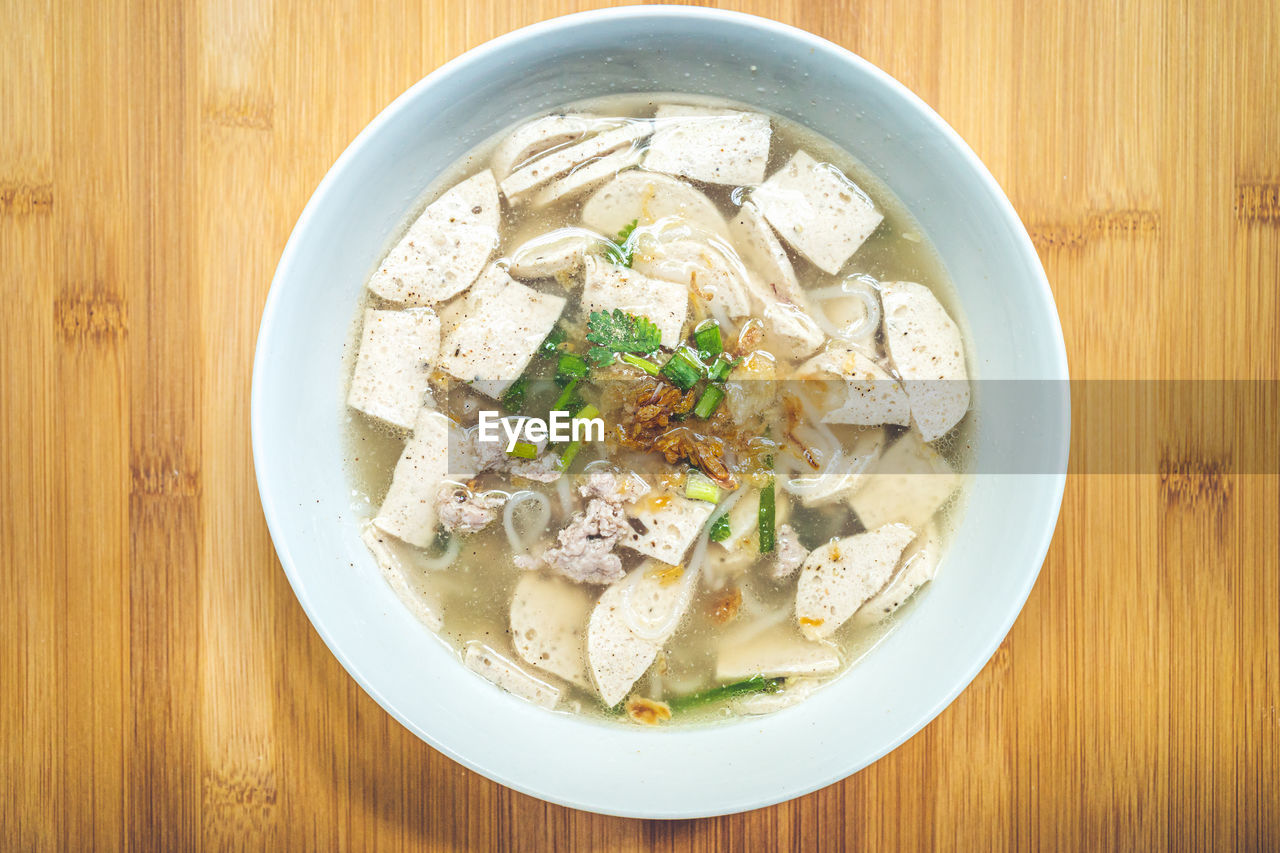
{"x":620,"y":332}
{"x":623,"y":250}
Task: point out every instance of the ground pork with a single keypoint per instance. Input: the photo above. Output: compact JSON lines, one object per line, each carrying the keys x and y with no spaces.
{"x":461,"y":510}
{"x":584,"y":552}
{"x":788,"y":554}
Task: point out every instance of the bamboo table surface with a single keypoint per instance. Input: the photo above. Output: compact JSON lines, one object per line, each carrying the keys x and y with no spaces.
{"x":159,"y":683}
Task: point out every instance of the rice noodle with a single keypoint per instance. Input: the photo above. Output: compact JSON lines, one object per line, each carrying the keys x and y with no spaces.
{"x":834,"y":454}
{"x":859,"y":287}
{"x":659,"y":631}
{"x":565,"y":495}
{"x":444,"y":559}
{"x":518,"y":543}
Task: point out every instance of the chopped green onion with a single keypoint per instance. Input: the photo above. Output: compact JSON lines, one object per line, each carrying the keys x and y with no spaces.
{"x":683,"y":369}
{"x":707,"y":339}
{"x":564,"y":402}
{"x":643,"y":363}
{"x":513,"y":398}
{"x":551,"y":344}
{"x":720,"y":529}
{"x":766,"y":519}
{"x":720,"y":368}
{"x":524,"y":450}
{"x":699,"y":487}
{"x":570,"y":451}
{"x":570,"y":367}
{"x":754,"y":684}
{"x":709,"y":401}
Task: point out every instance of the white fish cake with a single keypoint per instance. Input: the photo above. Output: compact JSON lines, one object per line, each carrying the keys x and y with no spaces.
{"x":696,"y":263}
{"x":708,"y":144}
{"x":535,"y":175}
{"x":445,"y":248}
{"x":587,"y":176}
{"x":908,"y":484}
{"x":498,"y":670}
{"x":818,"y":210}
{"x":548,"y":625}
{"x":409,"y":510}
{"x":840,"y":576}
{"x":641,"y":196}
{"x":925,"y":346}
{"x":542,"y":134}
{"x":495,"y":341}
{"x":773,"y":653}
{"x":631,"y":621}
{"x":609,"y":286}
{"x":397,"y":350}
{"x":762,"y":252}
{"x":919,"y":566}
{"x":795,"y":333}
{"x":387,"y":552}
{"x":873,"y":397}
{"x":557,"y":254}
{"x":671,"y":524}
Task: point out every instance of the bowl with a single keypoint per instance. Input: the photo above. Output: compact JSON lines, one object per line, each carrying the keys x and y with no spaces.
{"x":297,"y":416}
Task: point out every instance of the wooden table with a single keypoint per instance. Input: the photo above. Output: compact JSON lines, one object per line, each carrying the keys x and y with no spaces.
{"x":159,"y":684}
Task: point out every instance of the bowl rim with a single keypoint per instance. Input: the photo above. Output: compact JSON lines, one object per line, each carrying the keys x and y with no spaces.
{"x":481,"y":54}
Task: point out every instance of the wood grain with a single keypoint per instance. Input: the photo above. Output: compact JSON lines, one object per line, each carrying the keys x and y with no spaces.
{"x":159,"y":684}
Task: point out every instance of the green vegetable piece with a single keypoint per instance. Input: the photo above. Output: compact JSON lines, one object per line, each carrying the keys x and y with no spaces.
{"x":709,"y":401}
{"x":754,"y":684}
{"x":570,"y":367}
{"x":720,"y":529}
{"x":766,"y":518}
{"x":524,"y":450}
{"x":643,"y":363}
{"x":551,"y":344}
{"x":706,"y":337}
{"x":513,"y":397}
{"x":720,"y":369}
{"x":683,"y":369}
{"x":565,"y":402}
{"x":571,"y":449}
{"x":618,"y":331}
{"x":622,"y":251}
{"x":699,"y":487}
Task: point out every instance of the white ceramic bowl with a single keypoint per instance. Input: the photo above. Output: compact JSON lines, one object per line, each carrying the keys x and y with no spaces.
{"x":297,"y":418}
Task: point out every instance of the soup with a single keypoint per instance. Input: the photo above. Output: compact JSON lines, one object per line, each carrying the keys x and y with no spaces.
{"x":659,"y":410}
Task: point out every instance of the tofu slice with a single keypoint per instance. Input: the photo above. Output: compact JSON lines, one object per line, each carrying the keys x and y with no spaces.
{"x":820,"y":212}
{"x":504,"y":673}
{"x":389,"y":554}
{"x":632,"y":620}
{"x":408,"y":511}
{"x":646,"y":197}
{"x":761,"y":251}
{"x":587,"y":176}
{"x":445,"y":248}
{"x":919,"y":566}
{"x":557,"y":254}
{"x":872,"y":398}
{"x":925,"y":346}
{"x":397,"y":350}
{"x":908,"y":484}
{"x":700,"y":267}
{"x":499,"y":334}
{"x":839,"y":577}
{"x":609,"y":286}
{"x":671,"y":523}
{"x":542,"y":134}
{"x":773,"y":653}
{"x":521,"y":183}
{"x":849,"y":476}
{"x":709,"y":144}
{"x":548,"y":625}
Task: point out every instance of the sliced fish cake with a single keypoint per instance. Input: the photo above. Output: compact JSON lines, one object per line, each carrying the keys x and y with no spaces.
{"x":919,"y":566}
{"x":587,"y":176}
{"x":839,"y":577}
{"x":542,"y":134}
{"x":397,"y":351}
{"x":646,"y":197}
{"x":548,"y":625}
{"x":908,"y":484}
{"x":445,"y":248}
{"x":409,"y":510}
{"x":924,"y":344}
{"x":537,"y":174}
{"x":665,"y":303}
{"x":710,"y":144}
